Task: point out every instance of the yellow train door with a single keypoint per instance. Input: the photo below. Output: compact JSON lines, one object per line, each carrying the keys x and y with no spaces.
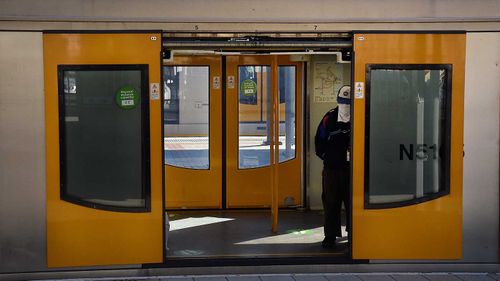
{"x":192,"y":120}
{"x":263,"y":131}
{"x":407,"y":145}
{"x":103,"y":149}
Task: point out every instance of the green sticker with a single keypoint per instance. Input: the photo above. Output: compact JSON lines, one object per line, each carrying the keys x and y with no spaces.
{"x":248,"y":87}
{"x":127,"y":97}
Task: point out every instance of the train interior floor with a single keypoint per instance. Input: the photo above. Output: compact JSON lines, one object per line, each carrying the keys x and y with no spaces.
{"x":247,"y":234}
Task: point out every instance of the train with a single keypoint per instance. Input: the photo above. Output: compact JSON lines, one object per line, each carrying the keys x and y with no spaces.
{"x":159,"y":136}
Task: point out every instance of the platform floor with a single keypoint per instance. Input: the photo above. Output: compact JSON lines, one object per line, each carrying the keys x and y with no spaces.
{"x":247,"y":233}
{"x":444,"y":276}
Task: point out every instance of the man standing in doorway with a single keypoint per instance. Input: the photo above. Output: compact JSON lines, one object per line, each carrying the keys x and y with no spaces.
{"x":332,"y":142}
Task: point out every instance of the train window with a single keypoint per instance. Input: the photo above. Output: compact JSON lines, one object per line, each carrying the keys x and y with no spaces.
{"x":253,"y":115}
{"x":186,"y":116}
{"x":104,"y":124}
{"x":408,"y":134}
{"x":286,"y":86}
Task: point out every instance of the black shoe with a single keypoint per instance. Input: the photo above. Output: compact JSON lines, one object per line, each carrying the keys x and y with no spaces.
{"x":328,"y":242}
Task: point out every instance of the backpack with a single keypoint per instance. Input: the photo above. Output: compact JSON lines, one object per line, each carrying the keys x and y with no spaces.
{"x":322,"y":137}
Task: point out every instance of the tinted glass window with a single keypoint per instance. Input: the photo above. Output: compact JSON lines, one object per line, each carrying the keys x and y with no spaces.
{"x":408,"y":114}
{"x":102,"y":125}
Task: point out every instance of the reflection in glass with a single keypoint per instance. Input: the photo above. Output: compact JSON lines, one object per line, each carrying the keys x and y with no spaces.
{"x":186,"y":110}
{"x":286,"y":86}
{"x":102,"y":150}
{"x":253,"y":116}
{"x":407,"y":134}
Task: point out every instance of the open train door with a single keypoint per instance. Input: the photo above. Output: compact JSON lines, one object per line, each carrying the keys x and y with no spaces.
{"x":103,"y":148}
{"x":408,"y":145}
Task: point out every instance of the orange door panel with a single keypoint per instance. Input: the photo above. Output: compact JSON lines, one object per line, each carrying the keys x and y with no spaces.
{"x":193,"y":143}
{"x":407,"y":146}
{"x":249,"y":136}
{"x":93,"y":80}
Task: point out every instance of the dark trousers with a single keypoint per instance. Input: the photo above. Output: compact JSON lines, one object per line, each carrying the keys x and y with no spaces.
{"x":335,"y":191}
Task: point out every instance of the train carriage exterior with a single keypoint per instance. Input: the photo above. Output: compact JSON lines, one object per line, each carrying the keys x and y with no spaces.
{"x":154,"y":137}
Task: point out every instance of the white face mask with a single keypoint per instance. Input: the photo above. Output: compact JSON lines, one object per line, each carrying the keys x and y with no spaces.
{"x":344,"y":113}
{"x":343,"y":99}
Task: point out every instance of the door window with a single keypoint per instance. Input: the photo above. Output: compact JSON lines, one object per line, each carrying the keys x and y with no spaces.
{"x":408,"y":115}
{"x":186,"y":116}
{"x":253,"y":116}
{"x":286,"y":86}
{"x":104,"y":122}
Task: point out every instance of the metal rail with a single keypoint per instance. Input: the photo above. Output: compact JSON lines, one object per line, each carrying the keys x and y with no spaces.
{"x":174,"y":53}
{"x":216,"y":44}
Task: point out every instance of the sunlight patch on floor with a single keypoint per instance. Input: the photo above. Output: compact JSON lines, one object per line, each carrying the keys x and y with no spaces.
{"x":195,"y":222}
{"x":293,"y":236}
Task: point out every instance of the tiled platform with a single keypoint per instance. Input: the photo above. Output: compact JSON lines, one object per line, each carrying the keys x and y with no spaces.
{"x":321,"y":277}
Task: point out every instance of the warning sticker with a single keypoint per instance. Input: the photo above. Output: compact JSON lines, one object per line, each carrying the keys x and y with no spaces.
{"x":359,"y":90}
{"x":230,"y":82}
{"x":154,"y":90}
{"x":216,"y":82}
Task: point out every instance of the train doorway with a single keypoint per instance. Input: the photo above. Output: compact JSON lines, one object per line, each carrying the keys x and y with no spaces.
{"x":231,"y":198}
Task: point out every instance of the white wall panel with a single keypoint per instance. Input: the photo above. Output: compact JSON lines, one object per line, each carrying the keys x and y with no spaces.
{"x":481,"y":138}
{"x":251,"y":11}
{"x":196,"y":26}
{"x":22,"y":153}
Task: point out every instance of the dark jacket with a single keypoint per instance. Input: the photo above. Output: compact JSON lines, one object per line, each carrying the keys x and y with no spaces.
{"x":332,"y":141}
